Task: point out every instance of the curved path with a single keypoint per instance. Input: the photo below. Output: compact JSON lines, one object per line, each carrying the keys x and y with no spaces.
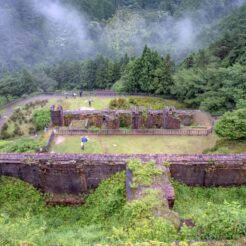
{"x":7,"y":111}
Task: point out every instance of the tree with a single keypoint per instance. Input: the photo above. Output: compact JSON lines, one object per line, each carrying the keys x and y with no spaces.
{"x":150,"y":60}
{"x":41,"y":119}
{"x":88,"y":75}
{"x":189,"y":62}
{"x":166,"y":76}
{"x":27,"y":84}
{"x":101,"y":72}
{"x":232,"y":125}
{"x":8,"y":87}
{"x":132,"y":75}
{"x":45,"y":83}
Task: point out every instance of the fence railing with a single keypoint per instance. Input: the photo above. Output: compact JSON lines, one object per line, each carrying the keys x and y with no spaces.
{"x":168,"y":132}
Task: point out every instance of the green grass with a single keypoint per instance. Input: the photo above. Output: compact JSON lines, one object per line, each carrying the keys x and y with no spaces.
{"x":227,"y":146}
{"x":103,"y":102}
{"x":3,"y":142}
{"x":135,"y":144}
{"x":156,"y":103}
{"x":77,"y":103}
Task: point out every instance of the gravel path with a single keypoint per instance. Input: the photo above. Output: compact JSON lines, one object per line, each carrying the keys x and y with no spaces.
{"x":8,"y":110}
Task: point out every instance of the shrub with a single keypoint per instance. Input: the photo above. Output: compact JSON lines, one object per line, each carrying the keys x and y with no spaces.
{"x":149,"y":102}
{"x":41,"y":119}
{"x":32,"y":130}
{"x":113,"y":104}
{"x":219,"y":222}
{"x":232,"y":125}
{"x":132,"y":101}
{"x":4,"y":132}
{"x":125,"y":121}
{"x":5,"y":135}
{"x":21,"y":145}
{"x":120,"y":103}
{"x":5,"y":127}
{"x":17,"y":131}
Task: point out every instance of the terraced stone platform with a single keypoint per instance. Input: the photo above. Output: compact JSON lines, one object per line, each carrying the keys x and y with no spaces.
{"x":71,"y":173}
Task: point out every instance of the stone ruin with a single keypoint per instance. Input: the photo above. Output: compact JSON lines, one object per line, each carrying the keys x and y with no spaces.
{"x":57,"y":116}
{"x":136,"y":118}
{"x":67,"y":176}
{"x":75,"y":174}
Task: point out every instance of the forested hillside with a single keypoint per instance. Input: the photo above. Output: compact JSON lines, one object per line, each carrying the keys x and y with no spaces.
{"x":104,"y":9}
{"x":191,"y":50}
{"x":35,"y":32}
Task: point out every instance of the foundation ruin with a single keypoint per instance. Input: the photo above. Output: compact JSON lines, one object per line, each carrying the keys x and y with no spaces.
{"x":135,"y":118}
{"x":75,"y":174}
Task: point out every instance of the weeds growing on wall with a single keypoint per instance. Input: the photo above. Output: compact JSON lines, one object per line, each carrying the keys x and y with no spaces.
{"x":143,"y":174}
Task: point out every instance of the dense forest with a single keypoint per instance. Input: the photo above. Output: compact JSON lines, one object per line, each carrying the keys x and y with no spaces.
{"x":105,"y":9}
{"x":211,"y":78}
{"x":47,"y":32}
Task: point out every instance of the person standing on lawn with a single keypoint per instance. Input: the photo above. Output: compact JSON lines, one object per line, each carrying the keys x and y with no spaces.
{"x":83,"y":141}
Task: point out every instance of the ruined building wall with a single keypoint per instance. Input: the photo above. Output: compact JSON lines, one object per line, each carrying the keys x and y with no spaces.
{"x":57,"y":116}
{"x":136,"y":119}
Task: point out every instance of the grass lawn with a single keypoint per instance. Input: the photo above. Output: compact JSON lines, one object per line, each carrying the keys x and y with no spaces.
{"x":77,"y":103}
{"x":134,"y":144}
{"x":237,"y":147}
{"x":103,"y":102}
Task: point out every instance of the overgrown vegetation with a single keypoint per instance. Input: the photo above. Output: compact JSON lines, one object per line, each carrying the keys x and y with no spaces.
{"x":143,"y":174}
{"x":22,"y":145}
{"x":25,"y":218}
{"x":106,"y":217}
{"x":217,"y":212}
{"x":119,"y":103}
{"x":155,"y":103}
{"x":26,"y":121}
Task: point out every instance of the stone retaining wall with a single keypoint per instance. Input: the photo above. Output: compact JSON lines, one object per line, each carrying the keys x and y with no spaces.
{"x":60,"y":173}
{"x":70,"y":173}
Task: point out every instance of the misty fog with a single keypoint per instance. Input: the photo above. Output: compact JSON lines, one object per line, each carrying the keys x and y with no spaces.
{"x":52,"y":31}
